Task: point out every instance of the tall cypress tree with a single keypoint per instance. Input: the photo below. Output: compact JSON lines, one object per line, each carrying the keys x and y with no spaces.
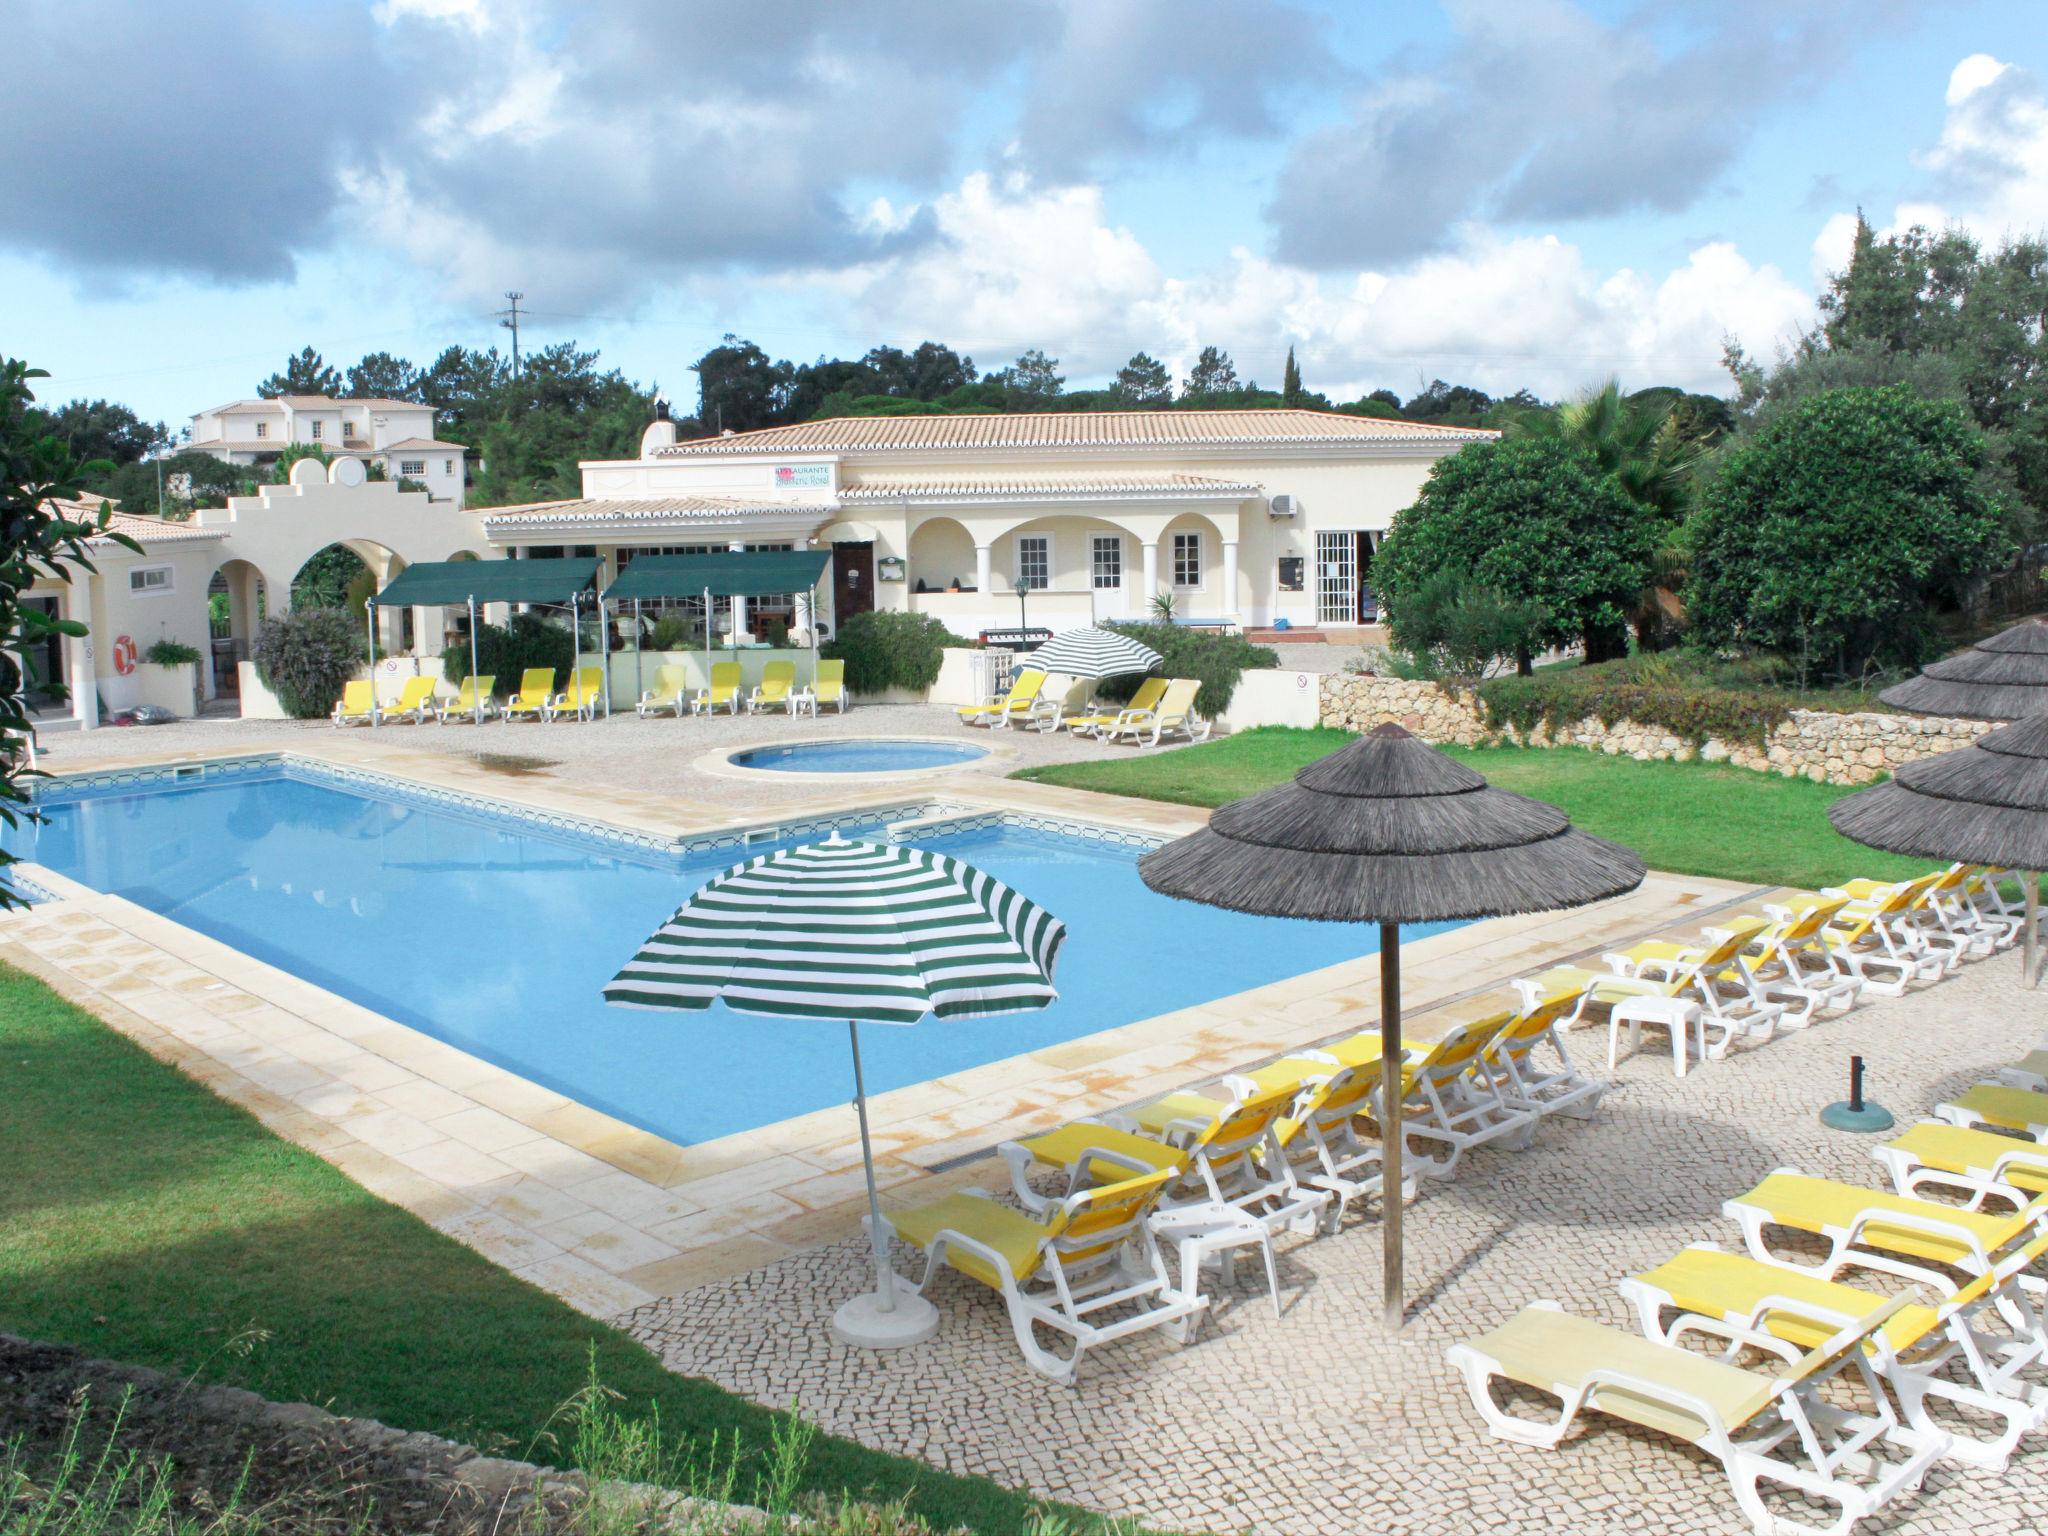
{"x":1291,"y":392}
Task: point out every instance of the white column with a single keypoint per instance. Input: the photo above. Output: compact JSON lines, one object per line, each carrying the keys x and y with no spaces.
{"x":81,"y":670}
{"x":984,"y":570}
{"x":426,"y":631}
{"x":1149,"y":587}
{"x":739,"y":604}
{"x":1229,"y":579}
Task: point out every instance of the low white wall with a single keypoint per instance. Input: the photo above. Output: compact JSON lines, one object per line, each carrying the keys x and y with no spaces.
{"x":258,"y":702}
{"x":627,"y":686}
{"x":173,"y":688}
{"x":963,"y":674}
{"x":1274,"y":698}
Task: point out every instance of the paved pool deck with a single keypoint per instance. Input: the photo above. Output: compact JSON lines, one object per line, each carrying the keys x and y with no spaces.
{"x":727,"y":1256}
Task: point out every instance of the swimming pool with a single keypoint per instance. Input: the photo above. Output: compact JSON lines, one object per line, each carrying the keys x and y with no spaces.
{"x":496,"y":935}
{"x":874,"y":755}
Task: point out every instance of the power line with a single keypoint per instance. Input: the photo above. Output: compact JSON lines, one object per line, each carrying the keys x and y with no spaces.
{"x":511,"y":323}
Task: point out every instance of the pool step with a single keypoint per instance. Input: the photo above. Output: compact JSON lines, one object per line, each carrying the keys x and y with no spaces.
{"x":915,"y":827}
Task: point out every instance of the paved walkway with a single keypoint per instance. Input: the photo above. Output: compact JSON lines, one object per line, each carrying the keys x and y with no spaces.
{"x":1315,"y":1422}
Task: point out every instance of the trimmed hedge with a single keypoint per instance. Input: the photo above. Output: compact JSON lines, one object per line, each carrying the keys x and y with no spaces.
{"x":1216,"y":661}
{"x":890,"y":650}
{"x":504,"y":653}
{"x":305,"y":655}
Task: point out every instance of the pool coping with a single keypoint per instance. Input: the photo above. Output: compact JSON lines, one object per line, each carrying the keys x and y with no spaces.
{"x":609,"y":1216}
{"x":719,"y":762}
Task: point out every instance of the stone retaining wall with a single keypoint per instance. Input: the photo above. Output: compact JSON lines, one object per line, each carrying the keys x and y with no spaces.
{"x":1815,"y":744}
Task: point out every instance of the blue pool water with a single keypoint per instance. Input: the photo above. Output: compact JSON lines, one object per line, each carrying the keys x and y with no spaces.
{"x":497,"y":937}
{"x":858,"y":756}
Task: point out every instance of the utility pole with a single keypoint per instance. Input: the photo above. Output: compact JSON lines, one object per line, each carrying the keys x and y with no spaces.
{"x":510,"y":321}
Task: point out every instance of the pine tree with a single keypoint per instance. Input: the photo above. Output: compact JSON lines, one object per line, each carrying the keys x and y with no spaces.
{"x":1291,"y":392}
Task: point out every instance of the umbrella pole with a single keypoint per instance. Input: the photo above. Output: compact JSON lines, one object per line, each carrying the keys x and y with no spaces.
{"x":1393,"y":1128}
{"x":885,"y":1277}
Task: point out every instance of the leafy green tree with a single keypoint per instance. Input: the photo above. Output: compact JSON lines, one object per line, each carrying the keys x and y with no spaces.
{"x":1032,"y":383}
{"x":1830,"y":535}
{"x":189,"y":479}
{"x":1449,"y":405}
{"x":1380,"y":405}
{"x":37,"y":469}
{"x":1534,"y":521}
{"x":740,"y":387}
{"x":101,"y":430}
{"x":380,"y":376}
{"x":1634,"y":438}
{"x":1143,"y":381}
{"x":1291,"y":392}
{"x":305,"y":373}
{"x":464,"y":388}
{"x":1452,"y":629}
{"x":326,"y":578}
{"x":1213,"y":374}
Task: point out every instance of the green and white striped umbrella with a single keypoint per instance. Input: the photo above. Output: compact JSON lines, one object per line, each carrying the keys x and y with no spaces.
{"x":860,"y":932}
{"x":846,"y":930}
{"x":1093,"y":652}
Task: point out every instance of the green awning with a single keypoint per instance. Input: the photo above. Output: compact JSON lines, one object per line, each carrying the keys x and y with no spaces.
{"x":439,"y":583}
{"x":730,"y":573}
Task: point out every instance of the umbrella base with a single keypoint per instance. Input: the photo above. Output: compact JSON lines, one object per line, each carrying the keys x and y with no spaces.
{"x":865,"y":1324}
{"x":1869,"y":1117}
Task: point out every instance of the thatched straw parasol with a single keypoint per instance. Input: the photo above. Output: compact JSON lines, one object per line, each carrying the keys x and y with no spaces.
{"x":2003,"y":678}
{"x":1389,"y":830}
{"x":1981,"y":804}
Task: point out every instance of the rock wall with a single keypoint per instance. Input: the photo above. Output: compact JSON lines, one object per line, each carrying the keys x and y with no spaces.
{"x":1821,"y":745}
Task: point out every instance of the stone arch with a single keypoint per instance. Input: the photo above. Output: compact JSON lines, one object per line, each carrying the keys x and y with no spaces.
{"x":238,"y":599}
{"x":941,"y":553}
{"x":342,"y":572}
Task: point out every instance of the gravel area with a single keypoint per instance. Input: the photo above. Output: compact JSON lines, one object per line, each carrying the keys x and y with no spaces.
{"x":660,"y":755}
{"x":1314,"y":1422}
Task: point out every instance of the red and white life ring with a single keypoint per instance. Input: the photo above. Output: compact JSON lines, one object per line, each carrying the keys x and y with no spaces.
{"x":125,"y":655}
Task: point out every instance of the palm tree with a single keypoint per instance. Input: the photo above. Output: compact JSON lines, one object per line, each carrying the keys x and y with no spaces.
{"x":1635,"y":439}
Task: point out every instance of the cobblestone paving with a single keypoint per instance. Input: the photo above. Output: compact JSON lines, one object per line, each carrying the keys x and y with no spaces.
{"x":1315,"y":1422}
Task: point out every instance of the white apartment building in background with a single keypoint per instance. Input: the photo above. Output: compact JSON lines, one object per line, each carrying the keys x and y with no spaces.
{"x":397,"y":435}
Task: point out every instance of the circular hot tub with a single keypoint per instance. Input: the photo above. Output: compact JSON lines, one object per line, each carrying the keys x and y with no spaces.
{"x":863,"y":755}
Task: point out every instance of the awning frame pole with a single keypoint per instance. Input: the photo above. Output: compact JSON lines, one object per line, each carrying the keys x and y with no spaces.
{"x":604,"y":651}
{"x":476,"y":700}
{"x":639,"y":641}
{"x":2029,"y":957}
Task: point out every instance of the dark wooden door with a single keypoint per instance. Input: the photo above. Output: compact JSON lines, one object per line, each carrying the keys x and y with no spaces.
{"x":853,"y":580}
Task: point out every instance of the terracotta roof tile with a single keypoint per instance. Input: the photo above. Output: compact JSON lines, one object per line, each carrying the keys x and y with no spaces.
{"x":1072,"y":429}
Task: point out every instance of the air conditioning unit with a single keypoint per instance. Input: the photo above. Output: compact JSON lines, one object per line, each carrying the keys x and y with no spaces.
{"x":1283,"y":505}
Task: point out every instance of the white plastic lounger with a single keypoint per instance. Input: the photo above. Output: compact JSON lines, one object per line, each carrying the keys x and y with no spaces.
{"x":1764,"y":1430}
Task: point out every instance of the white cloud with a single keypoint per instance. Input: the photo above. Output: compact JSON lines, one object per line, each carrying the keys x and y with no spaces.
{"x":1988,"y":169}
{"x":1013,"y":266}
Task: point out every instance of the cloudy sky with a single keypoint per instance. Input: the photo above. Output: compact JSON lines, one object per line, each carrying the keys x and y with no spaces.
{"x":1504,"y":192}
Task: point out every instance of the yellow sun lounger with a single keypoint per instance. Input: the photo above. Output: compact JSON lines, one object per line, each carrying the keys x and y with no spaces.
{"x":535,"y":696}
{"x":2030,"y":1071}
{"x":472,"y":700}
{"x":1877,"y":936}
{"x":778,"y":678}
{"x":671,"y":691}
{"x":582,"y":699}
{"x":1556,"y":1087}
{"x":724,"y":692}
{"x":1868,"y":1229}
{"x":1980,"y":1165}
{"x":1017,"y":704}
{"x":1763,"y":1429}
{"x":416,"y":699}
{"x":1999,"y":1107}
{"x":1951,"y":1350}
{"x":1091,"y":1254}
{"x":1149,"y":693}
{"x":358,"y":704}
{"x":1089,"y":1153}
{"x":1175,"y":711}
{"x":828,"y":686}
{"x":1793,"y":961}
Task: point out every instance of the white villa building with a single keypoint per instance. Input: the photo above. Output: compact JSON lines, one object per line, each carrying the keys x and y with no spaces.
{"x":1245,"y":517}
{"x":395,"y":434}
{"x":1252,"y":518}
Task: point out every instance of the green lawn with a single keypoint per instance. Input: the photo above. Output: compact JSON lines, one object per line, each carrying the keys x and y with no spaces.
{"x":1689,"y":818}
{"x":148,"y":1221}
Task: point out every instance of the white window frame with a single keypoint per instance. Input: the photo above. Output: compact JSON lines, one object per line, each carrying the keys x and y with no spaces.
{"x":139,"y":584}
{"x":1194,"y":541}
{"x":1098,"y":544}
{"x":319,"y":429}
{"x":1044,"y":582}
{"x":447,"y":466}
{"x":412,"y":469}
{"x":263,"y":429}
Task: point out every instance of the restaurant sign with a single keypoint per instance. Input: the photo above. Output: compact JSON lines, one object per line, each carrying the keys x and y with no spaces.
{"x":803,"y":477}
